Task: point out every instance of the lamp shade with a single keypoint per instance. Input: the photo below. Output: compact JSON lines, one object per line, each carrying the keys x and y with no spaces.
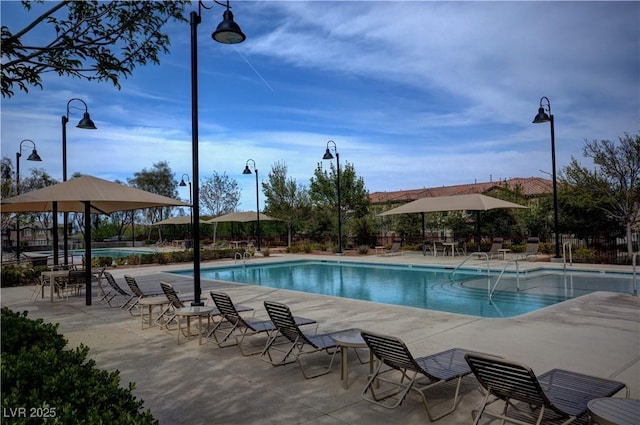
{"x":541,"y":117}
{"x":327,"y":155}
{"x":86,"y":123}
{"x":246,"y":170}
{"x":228,"y":32}
{"x":34,"y":156}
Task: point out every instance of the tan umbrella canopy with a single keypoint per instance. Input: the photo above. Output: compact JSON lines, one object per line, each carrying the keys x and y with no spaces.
{"x":241,"y":217}
{"x":181,"y":219}
{"x":89,"y":195}
{"x":71,"y":196}
{"x":472,"y":202}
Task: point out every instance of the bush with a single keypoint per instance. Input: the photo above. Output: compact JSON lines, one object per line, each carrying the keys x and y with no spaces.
{"x":38,"y":374}
{"x":266,"y":252}
{"x":363,"y":250}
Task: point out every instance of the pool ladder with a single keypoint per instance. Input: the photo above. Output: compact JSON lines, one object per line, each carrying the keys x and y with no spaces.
{"x":491,"y":290}
{"x":244,"y":256}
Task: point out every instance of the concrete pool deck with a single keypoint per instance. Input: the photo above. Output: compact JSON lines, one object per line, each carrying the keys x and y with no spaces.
{"x":598,"y":334}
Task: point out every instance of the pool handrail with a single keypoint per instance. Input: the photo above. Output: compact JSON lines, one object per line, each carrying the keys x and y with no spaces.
{"x":479,"y":254}
{"x":564,"y":257}
{"x":491,"y":291}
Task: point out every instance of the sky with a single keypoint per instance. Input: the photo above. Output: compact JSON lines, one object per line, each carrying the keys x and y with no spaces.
{"x":414,"y":94}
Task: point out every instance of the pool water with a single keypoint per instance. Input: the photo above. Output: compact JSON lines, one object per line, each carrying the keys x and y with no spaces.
{"x":424,"y":287}
{"x":100,"y":252}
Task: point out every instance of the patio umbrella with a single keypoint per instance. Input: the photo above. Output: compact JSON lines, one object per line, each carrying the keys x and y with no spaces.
{"x":240,"y":217}
{"x":181,"y":219}
{"x":89,"y":195}
{"x":472,"y":202}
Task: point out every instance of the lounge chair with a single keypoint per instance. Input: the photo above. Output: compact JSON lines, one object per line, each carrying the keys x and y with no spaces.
{"x":175,"y":303}
{"x":496,"y":244}
{"x":399,"y":372}
{"x":241,"y":327}
{"x":116,"y":291}
{"x":396,"y":248}
{"x":301,"y":344}
{"x":138,"y":294}
{"x":558,"y":396}
{"x":533,"y":245}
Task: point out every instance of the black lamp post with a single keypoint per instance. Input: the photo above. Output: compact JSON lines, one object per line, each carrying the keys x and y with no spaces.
{"x":183,"y":184}
{"x":248,"y":171}
{"x":87,"y":124}
{"x":328,"y":155}
{"x":545,"y":115}
{"x":227,"y":32}
{"x":33,"y":157}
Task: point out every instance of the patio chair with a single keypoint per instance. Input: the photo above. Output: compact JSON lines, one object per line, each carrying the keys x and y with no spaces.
{"x":461,"y":247}
{"x":138,"y":294}
{"x":399,"y":372}
{"x":396,"y":248}
{"x":76,"y":282}
{"x":533,"y":245}
{"x":116,"y":291}
{"x":496,"y":244}
{"x":301,"y":344}
{"x":175,"y":304}
{"x":439,"y":248}
{"x":558,"y":396}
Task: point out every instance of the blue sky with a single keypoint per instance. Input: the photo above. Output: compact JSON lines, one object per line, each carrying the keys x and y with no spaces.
{"x":414,"y":94}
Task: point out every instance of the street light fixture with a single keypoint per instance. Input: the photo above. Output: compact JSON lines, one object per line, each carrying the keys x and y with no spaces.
{"x":248,"y":171}
{"x":33,"y":157}
{"x":183,"y":184}
{"x":86,"y":124}
{"x":227,"y":32}
{"x":545,"y":115}
{"x":328,"y":155}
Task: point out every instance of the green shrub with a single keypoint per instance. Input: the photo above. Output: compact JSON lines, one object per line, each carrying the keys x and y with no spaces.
{"x":148,"y":258}
{"x":363,"y":249}
{"x":38,"y":374}
{"x":266,"y":252}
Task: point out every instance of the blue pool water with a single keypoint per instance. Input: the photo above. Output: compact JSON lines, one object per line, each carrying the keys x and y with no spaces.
{"x":423,"y":287}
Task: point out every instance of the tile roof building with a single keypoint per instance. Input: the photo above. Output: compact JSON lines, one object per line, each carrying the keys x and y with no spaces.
{"x":528,"y":186}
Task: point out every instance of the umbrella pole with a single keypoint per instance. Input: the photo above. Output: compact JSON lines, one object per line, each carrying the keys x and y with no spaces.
{"x":478,"y":235}
{"x":87,"y":249}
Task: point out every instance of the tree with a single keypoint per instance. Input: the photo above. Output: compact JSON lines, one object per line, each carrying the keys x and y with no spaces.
{"x":354,"y":201}
{"x":159,"y":180}
{"x":613,"y":186}
{"x":101,"y":41}
{"x":219,"y":194}
{"x":38,"y":179}
{"x":285,"y":199}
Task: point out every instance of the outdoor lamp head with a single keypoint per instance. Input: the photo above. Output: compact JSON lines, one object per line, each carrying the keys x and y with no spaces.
{"x":541,"y":117}
{"x":182,"y":183}
{"x":228,"y":32}
{"x":34,"y":156}
{"x":246,"y":169}
{"x":327,"y":155}
{"x":86,"y":123}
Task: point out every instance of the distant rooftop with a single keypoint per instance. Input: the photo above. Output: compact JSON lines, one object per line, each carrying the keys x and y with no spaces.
{"x":529,"y":186}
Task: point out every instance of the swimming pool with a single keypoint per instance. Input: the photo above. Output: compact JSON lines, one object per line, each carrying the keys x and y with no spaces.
{"x":423,"y":287}
{"x":103,"y":252}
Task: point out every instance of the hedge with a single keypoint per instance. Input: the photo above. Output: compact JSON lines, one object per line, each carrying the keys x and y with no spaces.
{"x":41,"y":379}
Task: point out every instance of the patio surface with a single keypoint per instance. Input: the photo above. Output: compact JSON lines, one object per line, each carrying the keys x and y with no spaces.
{"x":598,"y":334}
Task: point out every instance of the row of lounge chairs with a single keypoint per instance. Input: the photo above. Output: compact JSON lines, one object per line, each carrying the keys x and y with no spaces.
{"x":523,"y":397}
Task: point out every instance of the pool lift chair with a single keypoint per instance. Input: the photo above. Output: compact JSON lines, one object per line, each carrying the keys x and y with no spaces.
{"x":558,"y":396}
{"x":398,"y":372}
{"x":300,"y":344}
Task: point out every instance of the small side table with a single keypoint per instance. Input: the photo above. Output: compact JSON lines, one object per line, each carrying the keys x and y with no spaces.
{"x":614,"y":411}
{"x":149,"y":303}
{"x":379,"y":250}
{"x":346,"y":340}
{"x":189,"y":312}
{"x":504,"y":252}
